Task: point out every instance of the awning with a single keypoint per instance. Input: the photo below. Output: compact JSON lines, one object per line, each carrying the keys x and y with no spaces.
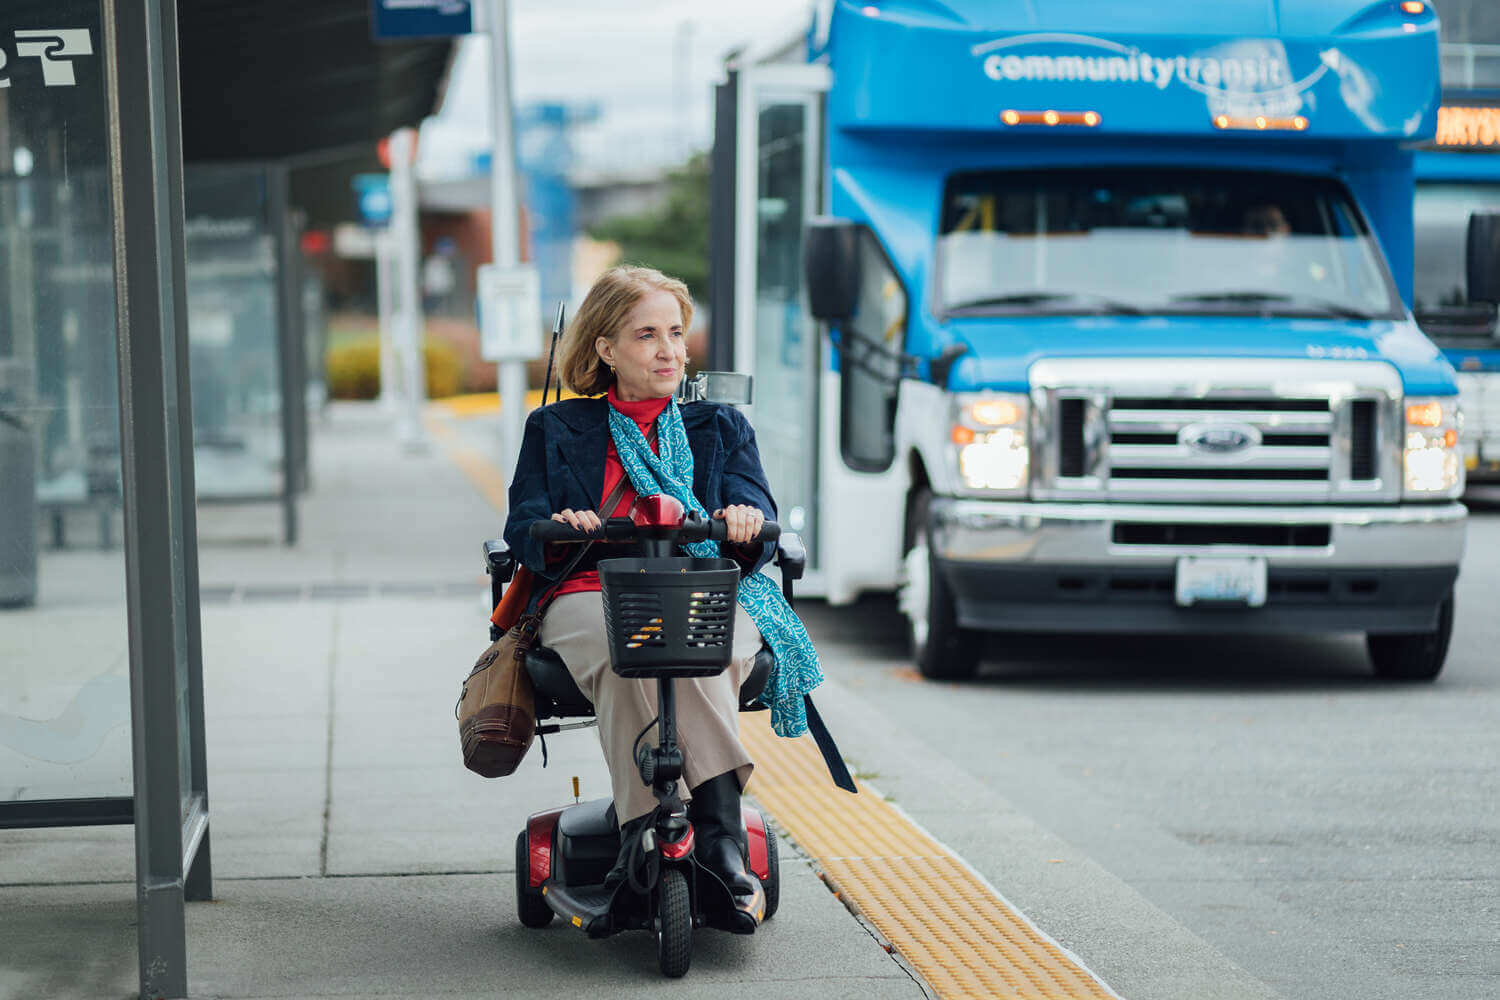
{"x":273,"y":79}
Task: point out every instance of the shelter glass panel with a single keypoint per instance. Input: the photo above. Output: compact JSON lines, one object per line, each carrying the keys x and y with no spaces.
{"x":64,"y":671}
{"x":233,"y":330}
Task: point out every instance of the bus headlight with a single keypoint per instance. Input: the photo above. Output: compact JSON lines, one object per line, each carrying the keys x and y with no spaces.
{"x":990,"y":436}
{"x":1432,"y":461}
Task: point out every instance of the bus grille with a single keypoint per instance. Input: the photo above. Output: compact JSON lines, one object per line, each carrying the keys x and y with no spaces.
{"x":1167,"y":441}
{"x":1286,"y":441}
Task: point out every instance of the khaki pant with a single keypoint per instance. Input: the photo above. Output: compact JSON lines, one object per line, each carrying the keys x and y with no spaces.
{"x":708,"y":728}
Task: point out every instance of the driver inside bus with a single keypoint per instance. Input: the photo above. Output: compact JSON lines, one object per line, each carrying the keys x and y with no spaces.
{"x":1265,"y":220}
{"x":626,"y":348}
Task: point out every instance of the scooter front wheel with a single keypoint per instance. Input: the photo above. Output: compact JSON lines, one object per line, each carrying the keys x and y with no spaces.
{"x":674,"y":927}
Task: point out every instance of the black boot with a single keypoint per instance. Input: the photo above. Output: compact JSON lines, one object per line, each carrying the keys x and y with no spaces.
{"x":630,"y":835}
{"x":721,"y":844}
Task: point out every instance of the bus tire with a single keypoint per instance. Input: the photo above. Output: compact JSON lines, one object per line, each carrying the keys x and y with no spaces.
{"x":1415,"y":657}
{"x":941,"y":648}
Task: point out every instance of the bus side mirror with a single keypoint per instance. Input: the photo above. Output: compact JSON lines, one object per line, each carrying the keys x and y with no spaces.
{"x":830,"y":267}
{"x":1483,"y":258}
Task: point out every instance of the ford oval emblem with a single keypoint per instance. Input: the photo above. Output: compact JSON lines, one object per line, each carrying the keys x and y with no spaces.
{"x":1219,"y":439}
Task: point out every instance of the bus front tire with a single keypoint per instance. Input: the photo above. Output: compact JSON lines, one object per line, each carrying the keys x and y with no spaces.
{"x":941,"y":648}
{"x":1415,"y":657}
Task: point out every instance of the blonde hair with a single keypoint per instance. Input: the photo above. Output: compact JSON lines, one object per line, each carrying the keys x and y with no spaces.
{"x":603,"y":312}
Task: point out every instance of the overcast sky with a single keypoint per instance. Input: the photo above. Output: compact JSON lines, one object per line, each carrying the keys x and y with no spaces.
{"x":648,"y":67}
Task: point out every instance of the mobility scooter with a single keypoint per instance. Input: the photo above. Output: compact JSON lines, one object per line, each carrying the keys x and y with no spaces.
{"x":666,"y":616}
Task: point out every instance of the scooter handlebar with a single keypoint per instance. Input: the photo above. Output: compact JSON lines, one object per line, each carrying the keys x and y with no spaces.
{"x":622,"y":529}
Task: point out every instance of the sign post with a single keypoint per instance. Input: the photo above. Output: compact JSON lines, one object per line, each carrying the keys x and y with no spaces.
{"x":509,"y":298}
{"x":398,"y":20}
{"x":385,"y":303}
{"x":408,"y":308}
{"x":509,"y":291}
{"x":374,"y":194}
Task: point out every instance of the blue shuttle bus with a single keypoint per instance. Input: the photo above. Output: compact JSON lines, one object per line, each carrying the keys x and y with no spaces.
{"x":1096,"y":317}
{"x":1458,"y":178}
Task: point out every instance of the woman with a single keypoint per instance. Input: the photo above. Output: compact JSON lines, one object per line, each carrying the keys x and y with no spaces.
{"x":628,"y":342}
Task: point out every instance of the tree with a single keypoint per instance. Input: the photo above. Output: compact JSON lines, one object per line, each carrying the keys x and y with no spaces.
{"x":674,"y":238}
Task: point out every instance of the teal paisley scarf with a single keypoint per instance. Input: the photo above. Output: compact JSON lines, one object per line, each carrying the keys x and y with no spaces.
{"x":671,"y":472}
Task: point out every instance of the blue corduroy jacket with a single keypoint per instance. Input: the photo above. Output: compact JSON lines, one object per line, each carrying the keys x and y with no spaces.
{"x":561,"y":465}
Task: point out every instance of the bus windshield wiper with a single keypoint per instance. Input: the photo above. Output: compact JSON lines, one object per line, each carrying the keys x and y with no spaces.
{"x":1097,"y":303}
{"x":1296,"y":302}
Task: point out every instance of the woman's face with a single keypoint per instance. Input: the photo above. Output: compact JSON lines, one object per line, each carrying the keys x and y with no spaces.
{"x":649,"y":351}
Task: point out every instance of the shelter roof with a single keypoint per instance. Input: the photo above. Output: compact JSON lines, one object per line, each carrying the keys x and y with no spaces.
{"x":273,"y":79}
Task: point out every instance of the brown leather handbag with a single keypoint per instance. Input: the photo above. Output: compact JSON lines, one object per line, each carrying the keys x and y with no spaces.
{"x":496,"y":706}
{"x":497,"y":709}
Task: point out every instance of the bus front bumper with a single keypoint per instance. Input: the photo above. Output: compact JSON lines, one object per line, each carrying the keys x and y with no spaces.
{"x":1103,"y":567}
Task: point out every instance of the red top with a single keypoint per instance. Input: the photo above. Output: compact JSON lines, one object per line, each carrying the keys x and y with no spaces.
{"x":644,"y":413}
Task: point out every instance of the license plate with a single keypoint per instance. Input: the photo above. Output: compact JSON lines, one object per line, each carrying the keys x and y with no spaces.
{"x":1221,"y":580}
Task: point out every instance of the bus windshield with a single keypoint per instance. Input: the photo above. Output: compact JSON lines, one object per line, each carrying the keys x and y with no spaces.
{"x":1119,"y":240}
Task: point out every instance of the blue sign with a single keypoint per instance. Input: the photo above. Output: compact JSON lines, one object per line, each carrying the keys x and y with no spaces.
{"x":374,"y":193}
{"x":395,"y":19}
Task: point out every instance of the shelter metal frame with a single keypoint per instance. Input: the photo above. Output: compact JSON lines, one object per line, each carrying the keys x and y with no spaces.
{"x":146,"y":179}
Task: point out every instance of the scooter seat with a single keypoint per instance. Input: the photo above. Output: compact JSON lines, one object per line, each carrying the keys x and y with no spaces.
{"x":557,"y":695}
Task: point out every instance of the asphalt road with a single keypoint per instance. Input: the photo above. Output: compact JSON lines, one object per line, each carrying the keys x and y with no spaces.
{"x":1232,"y":817}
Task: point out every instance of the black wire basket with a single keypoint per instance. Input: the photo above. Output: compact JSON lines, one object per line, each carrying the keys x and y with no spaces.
{"x":670,"y":617}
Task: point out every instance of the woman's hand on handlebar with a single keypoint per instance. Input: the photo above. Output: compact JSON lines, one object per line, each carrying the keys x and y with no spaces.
{"x":579,"y":520}
{"x":742,"y":522}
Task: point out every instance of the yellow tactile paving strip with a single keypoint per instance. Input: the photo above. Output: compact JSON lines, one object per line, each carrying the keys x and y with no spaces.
{"x":476,"y":404}
{"x":478,"y":469}
{"x":950,"y":927}
{"x":932,"y":909}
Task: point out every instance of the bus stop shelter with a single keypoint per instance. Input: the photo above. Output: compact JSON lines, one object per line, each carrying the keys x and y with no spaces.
{"x":114,"y":114}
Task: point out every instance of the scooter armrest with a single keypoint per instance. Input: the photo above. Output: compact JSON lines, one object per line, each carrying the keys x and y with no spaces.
{"x":498,"y":562}
{"x":791,"y":555}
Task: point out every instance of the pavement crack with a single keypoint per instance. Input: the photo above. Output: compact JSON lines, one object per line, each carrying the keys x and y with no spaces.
{"x":333,"y":647}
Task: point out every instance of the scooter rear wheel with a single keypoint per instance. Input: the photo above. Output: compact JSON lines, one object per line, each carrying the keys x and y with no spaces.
{"x":772,"y":883}
{"x":674,"y":930}
{"x":531,"y":907}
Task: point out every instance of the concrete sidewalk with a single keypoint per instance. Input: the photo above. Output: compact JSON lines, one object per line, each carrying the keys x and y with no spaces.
{"x":353,"y":855}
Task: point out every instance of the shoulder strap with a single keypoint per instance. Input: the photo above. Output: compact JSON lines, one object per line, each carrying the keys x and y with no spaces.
{"x":837,"y":769}
{"x":606,"y":509}
{"x":610,"y":503}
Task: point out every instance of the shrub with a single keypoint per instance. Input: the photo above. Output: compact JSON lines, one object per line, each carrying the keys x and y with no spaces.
{"x":354,"y":369}
{"x":445,"y":372}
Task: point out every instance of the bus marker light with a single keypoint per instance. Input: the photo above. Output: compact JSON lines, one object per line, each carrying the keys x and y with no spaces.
{"x":1051,"y":116}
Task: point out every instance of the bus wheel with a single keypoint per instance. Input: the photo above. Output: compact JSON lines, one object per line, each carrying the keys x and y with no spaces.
{"x":1417,"y":657}
{"x":942,"y":650}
